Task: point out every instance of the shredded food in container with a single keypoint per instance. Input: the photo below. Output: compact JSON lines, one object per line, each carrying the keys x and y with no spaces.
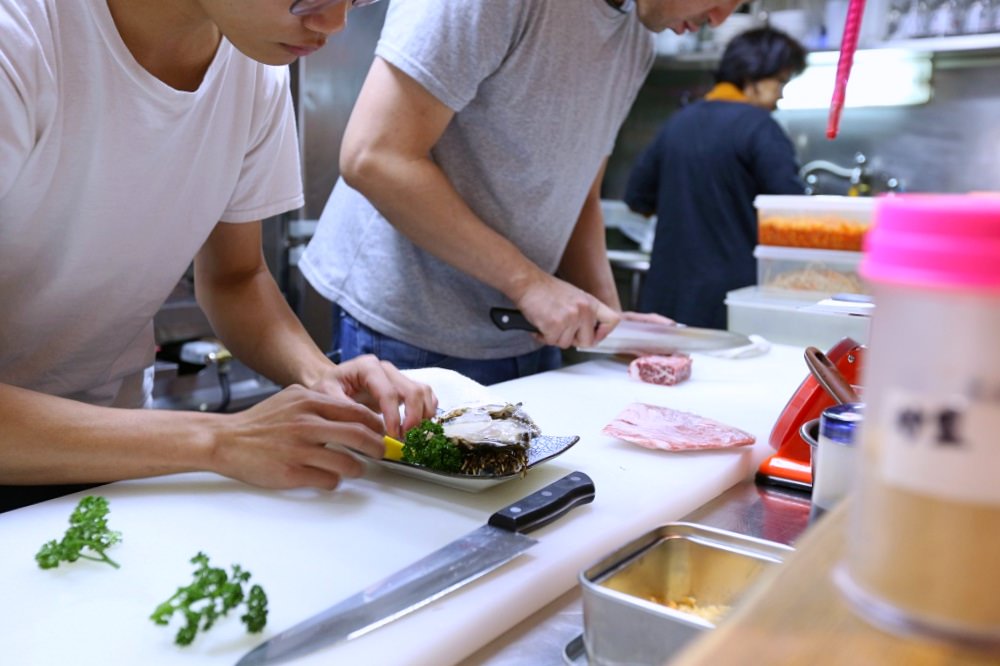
{"x":818,"y":279}
{"x":711,"y":612}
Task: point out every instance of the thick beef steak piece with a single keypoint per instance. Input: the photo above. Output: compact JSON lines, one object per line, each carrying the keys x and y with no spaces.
{"x":665,"y":370}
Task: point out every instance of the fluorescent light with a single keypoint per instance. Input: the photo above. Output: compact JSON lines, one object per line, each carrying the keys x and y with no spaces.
{"x":880,"y":77}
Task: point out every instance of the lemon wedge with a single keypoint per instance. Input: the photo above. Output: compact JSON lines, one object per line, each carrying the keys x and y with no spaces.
{"x":393,"y":448}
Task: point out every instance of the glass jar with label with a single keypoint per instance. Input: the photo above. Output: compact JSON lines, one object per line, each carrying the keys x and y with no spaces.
{"x":924,"y":535}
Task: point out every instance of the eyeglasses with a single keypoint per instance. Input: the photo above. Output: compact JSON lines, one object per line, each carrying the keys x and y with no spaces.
{"x":304,"y":7}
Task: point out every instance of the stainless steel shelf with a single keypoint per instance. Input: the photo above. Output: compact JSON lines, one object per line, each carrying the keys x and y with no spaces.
{"x":989,"y":42}
{"x":688,"y":61}
{"x":982,"y":42}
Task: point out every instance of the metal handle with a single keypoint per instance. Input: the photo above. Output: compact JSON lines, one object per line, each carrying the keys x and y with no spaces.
{"x":542,"y":507}
{"x":508,"y":319}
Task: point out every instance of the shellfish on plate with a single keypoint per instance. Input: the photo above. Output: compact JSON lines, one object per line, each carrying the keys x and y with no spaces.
{"x":495,"y":441}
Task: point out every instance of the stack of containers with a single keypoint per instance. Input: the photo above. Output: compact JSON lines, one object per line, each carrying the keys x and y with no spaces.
{"x":808,"y":253}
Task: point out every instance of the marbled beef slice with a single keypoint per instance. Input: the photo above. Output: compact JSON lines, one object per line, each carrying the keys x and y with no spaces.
{"x":657,"y":427}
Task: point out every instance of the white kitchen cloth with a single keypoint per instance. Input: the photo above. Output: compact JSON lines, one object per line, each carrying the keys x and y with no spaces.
{"x":451,"y":388}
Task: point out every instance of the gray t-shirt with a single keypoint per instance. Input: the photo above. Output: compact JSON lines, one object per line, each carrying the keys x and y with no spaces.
{"x":539,"y":89}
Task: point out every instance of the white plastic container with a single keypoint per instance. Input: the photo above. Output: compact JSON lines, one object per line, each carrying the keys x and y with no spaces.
{"x":790,"y":319}
{"x":617,"y":215}
{"x":808,"y":272}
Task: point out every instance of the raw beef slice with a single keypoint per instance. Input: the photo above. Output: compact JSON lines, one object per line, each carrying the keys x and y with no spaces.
{"x":672,"y":430}
{"x":665,"y":370}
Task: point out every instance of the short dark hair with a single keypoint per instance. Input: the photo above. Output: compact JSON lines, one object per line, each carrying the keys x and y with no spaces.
{"x":760,"y":53}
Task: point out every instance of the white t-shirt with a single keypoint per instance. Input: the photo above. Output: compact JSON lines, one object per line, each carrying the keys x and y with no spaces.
{"x":110,"y":181}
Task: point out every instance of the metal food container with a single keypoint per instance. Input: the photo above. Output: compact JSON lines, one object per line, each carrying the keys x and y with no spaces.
{"x":626,"y":619}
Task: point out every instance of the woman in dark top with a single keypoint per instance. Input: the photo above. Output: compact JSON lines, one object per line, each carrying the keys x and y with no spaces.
{"x":701,"y":174}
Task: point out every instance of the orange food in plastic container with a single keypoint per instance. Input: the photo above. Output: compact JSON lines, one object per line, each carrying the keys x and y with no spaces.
{"x":826,"y":222}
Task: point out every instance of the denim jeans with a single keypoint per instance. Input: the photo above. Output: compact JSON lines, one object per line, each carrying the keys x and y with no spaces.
{"x":356,"y":339}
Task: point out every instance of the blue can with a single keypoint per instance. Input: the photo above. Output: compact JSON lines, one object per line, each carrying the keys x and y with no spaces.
{"x":840,"y":423}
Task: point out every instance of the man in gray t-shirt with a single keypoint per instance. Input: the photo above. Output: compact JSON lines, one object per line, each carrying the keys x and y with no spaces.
{"x":471,"y":169}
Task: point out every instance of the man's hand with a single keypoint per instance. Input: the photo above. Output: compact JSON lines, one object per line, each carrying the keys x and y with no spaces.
{"x":381,"y":386}
{"x":566,"y":316}
{"x":282,"y":442}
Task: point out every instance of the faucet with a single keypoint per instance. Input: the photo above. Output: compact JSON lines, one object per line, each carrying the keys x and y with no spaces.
{"x":823,"y":165}
{"x":860,"y":178}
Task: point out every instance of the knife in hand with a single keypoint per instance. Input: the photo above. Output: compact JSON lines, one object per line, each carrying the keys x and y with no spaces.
{"x":477,"y":553}
{"x":638,"y":337}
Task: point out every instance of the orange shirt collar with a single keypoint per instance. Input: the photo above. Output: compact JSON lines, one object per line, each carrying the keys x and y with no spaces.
{"x":725,"y":92}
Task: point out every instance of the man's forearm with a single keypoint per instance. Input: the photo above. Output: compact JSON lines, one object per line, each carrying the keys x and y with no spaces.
{"x":585,"y":261}
{"x":46,"y":439}
{"x":254,"y":321}
{"x":589,"y":269}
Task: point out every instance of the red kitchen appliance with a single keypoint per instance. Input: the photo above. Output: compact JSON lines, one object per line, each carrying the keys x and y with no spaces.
{"x":791,"y":465}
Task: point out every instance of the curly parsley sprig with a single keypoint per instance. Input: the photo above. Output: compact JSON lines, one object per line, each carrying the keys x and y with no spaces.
{"x":88,"y":529}
{"x":211,"y":596}
{"x":427,"y":445}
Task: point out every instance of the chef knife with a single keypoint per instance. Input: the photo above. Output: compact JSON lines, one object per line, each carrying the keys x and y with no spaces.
{"x":638,"y":337}
{"x":477,"y":553}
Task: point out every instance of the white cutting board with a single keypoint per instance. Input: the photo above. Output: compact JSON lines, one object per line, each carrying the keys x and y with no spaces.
{"x":310,"y":549}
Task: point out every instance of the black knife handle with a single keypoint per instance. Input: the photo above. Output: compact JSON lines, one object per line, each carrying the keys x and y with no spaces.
{"x":542,"y":507}
{"x":508,"y":319}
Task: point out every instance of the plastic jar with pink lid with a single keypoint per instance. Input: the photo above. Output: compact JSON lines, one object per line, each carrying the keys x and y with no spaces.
{"x":924,"y":535}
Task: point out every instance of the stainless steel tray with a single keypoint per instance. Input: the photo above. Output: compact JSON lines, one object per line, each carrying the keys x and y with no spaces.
{"x":622,"y":621}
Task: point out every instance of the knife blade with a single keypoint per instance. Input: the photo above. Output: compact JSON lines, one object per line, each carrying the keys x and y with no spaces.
{"x":477,"y":553}
{"x":638,"y":337}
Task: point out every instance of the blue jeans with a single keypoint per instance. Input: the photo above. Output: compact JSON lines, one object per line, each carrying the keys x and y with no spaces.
{"x":356,"y":339}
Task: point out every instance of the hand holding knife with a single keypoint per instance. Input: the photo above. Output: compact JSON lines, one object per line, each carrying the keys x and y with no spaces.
{"x":639,"y":337}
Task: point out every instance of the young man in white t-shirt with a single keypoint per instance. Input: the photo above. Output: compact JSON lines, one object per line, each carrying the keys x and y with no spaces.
{"x":135,"y":136}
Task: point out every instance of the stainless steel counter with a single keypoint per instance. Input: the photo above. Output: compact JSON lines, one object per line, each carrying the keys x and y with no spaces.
{"x":766,"y":512}
{"x":202,"y":391}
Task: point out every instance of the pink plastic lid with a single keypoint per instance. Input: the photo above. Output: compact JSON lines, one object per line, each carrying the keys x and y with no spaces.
{"x":935,"y":240}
